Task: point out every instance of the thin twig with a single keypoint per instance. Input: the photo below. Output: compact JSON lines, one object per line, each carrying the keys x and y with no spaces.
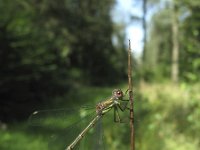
{"x":132,"y":136}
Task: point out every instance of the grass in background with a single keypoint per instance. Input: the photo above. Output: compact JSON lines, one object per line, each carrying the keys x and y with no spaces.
{"x":166,"y":117}
{"x":16,"y":137}
{"x":171,"y":119}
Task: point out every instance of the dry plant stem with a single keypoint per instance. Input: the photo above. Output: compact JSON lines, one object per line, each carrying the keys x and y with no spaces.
{"x":132,"y":136}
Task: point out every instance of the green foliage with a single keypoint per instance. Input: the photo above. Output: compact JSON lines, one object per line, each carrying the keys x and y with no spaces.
{"x":158,"y":51}
{"x":49,"y":47}
{"x":20,"y":139}
{"x":190,"y":60}
{"x":166,"y":117}
{"x":158,"y":58}
{"x":169,"y":117}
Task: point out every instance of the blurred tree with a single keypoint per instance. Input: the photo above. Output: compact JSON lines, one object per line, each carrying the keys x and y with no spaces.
{"x":190,"y":41}
{"x":13,"y":34}
{"x":167,"y":34}
{"x":144,"y":23}
{"x":158,"y":52}
{"x":95,"y":55}
{"x":147,"y":6}
{"x":175,"y":43}
{"x":48,"y":46}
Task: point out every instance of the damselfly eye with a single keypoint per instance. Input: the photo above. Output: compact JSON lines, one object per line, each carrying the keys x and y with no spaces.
{"x":118,"y":93}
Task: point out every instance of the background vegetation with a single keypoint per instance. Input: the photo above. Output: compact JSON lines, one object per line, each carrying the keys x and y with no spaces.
{"x":60,"y":54}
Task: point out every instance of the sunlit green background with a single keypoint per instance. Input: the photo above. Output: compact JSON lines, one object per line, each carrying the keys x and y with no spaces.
{"x":68,"y":53}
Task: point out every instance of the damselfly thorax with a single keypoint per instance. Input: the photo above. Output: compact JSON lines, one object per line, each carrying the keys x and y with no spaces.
{"x":106,"y":105}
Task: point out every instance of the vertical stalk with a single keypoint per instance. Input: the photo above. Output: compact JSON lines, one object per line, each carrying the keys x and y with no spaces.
{"x":132,"y":136}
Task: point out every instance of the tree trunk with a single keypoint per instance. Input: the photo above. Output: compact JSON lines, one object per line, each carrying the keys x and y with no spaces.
{"x":175,"y":48}
{"x":144,"y":9}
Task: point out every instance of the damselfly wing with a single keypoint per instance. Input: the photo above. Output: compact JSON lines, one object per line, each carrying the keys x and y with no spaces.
{"x":68,"y":128}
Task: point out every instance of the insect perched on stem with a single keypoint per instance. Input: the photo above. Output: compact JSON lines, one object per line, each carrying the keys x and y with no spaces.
{"x":101,"y":109}
{"x":115,"y":102}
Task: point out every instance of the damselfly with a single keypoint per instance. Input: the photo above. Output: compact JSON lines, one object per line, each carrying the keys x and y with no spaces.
{"x":115,"y":102}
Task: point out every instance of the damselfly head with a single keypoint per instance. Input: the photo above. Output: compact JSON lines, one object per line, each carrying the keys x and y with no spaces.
{"x":117,"y":94}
